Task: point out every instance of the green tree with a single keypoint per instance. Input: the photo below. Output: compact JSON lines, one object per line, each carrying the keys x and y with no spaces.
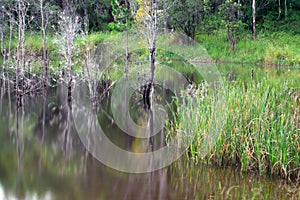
{"x":229,"y":15}
{"x":186,"y":15}
{"x":121,"y":15}
{"x":96,"y":14}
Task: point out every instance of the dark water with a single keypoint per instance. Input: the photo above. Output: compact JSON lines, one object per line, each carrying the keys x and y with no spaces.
{"x":48,"y":161}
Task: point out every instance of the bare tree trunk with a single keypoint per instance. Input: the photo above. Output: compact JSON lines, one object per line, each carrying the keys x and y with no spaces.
{"x":23,"y":10}
{"x":23,"y":27}
{"x":232,"y":45}
{"x":152,"y":62}
{"x":231,"y":39}
{"x":20,"y":50}
{"x":279,"y":10}
{"x":285,"y":9}
{"x":44,"y":27}
{"x":70,"y":67}
{"x":151,"y":36}
{"x":239,"y":10}
{"x":165,"y":17}
{"x":95,"y":75}
{"x":86,"y":17}
{"x":9,"y":60}
{"x":3,"y":53}
{"x":45,"y":78}
{"x":2,"y":32}
{"x":254,"y":19}
{"x":10,"y":38}
{"x":8,"y":94}
{"x":70,"y":72}
{"x":87,"y":63}
{"x":29,"y":69}
{"x":153,"y":41}
{"x":127,"y":49}
{"x":69,"y":26}
{"x":18,"y":55}
{"x":152,"y":67}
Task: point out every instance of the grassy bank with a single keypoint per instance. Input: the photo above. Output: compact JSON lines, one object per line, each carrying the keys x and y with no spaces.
{"x":269,"y":48}
{"x":261,"y":124}
{"x":34,"y":51}
{"x":261,"y":120}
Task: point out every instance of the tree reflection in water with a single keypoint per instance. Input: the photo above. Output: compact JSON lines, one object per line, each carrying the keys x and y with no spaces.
{"x":41,"y":156}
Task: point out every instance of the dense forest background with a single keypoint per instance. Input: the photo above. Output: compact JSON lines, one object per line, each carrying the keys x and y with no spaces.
{"x":228,"y":29}
{"x":189,"y":16}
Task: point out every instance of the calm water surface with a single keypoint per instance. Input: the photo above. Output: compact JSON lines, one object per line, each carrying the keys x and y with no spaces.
{"x":48,"y":161}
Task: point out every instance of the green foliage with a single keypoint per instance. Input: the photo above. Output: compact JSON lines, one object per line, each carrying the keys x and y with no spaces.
{"x":288,"y":24}
{"x":229,"y":15}
{"x":99,"y":13}
{"x":186,"y":15}
{"x":270,"y":48}
{"x":260,"y":130}
{"x":210,"y":24}
{"x":122,"y":16}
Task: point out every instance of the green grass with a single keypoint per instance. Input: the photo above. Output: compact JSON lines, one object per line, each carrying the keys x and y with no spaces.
{"x":269,"y":48}
{"x":34,"y":51}
{"x":261,"y":124}
{"x":275,"y":48}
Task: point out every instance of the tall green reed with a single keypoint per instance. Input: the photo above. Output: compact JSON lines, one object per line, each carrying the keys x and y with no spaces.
{"x":260,"y":130}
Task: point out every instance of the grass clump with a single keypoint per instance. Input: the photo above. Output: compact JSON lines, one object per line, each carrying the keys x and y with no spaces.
{"x":261,"y":126}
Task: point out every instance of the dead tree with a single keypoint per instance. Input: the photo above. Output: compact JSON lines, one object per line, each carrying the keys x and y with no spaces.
{"x":3,"y":53}
{"x":8,"y":12}
{"x":44,"y":17}
{"x":22,"y":9}
{"x":147,"y":24}
{"x":69,"y":29}
{"x":254,"y":19}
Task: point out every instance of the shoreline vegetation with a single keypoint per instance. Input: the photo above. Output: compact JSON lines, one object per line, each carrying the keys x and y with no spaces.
{"x":261,"y":132}
{"x":225,"y":74}
{"x":258,"y":135}
{"x":270,"y":49}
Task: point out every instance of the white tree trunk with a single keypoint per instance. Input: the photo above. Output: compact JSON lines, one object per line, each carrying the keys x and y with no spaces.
{"x":239,"y":10}
{"x":3,"y":53}
{"x":44,"y":27}
{"x":153,"y":39}
{"x":18,"y":54}
{"x":279,"y":10}
{"x":285,"y":9}
{"x":127,"y":49}
{"x":254,"y":18}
